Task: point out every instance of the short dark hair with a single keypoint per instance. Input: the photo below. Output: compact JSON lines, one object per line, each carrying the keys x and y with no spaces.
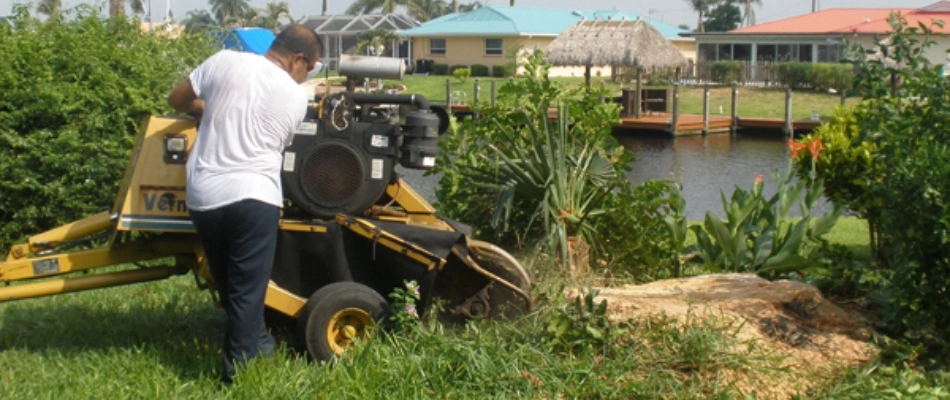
{"x":297,"y":39}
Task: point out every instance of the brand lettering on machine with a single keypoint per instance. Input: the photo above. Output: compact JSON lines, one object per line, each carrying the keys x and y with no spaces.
{"x":165,"y":202}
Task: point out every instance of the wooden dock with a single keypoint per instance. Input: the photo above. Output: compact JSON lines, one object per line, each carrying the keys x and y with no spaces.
{"x":690,"y":124}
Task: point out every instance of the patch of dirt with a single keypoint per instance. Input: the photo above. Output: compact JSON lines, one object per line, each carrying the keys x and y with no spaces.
{"x":813,"y":335}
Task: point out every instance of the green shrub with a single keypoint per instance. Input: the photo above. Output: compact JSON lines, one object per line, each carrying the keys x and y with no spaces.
{"x":823,"y":76}
{"x":462,"y":74}
{"x":726,"y":71}
{"x":902,"y":176}
{"x":479,"y":70}
{"x":793,"y":74}
{"x":501,"y":71}
{"x":440,"y":69}
{"x":525,"y":180}
{"x":455,"y":67}
{"x":74,"y":92}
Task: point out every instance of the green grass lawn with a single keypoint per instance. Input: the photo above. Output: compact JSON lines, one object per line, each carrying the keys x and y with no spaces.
{"x":161,"y":340}
{"x":752,"y":101}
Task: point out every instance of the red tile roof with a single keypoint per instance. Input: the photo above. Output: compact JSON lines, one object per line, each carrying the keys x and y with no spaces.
{"x":852,"y":20}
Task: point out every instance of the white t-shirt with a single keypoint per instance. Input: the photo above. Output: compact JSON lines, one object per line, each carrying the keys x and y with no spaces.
{"x":252,"y":107}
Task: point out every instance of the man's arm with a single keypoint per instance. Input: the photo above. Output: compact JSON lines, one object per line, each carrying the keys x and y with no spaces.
{"x":184,"y":100}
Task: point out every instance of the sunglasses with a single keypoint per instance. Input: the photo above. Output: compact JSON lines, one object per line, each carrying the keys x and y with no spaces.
{"x":310,"y":64}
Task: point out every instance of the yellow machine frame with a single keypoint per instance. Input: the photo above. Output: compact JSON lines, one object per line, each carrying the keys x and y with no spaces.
{"x":149,"y":221}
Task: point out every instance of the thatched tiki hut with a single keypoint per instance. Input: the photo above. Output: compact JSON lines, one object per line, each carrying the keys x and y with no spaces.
{"x":614,"y":43}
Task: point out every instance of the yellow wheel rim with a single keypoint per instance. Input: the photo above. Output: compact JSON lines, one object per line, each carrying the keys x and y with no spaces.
{"x":346,"y":326}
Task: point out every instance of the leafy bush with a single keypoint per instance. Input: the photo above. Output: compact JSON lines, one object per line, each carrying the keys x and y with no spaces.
{"x":823,"y":76}
{"x":793,"y":74}
{"x":456,"y":67}
{"x":757,"y":235}
{"x":479,"y":70}
{"x":543,"y":184}
{"x":895,"y":170}
{"x":501,"y":71}
{"x":74,"y":91}
{"x":440,"y":69}
{"x":462,"y":74}
{"x":726,"y":71}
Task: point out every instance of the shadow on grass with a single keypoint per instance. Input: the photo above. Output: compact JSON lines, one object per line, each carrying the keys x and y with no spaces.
{"x":182,"y":335}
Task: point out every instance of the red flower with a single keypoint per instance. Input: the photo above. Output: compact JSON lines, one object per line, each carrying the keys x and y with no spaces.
{"x":758,"y":179}
{"x":795,"y":147}
{"x":815,"y":148}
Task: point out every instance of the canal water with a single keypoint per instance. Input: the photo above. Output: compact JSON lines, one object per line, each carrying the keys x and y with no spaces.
{"x":705,"y":166}
{"x":708,"y":165}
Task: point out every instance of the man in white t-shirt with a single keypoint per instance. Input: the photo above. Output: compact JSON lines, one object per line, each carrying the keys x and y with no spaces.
{"x":249,"y":106}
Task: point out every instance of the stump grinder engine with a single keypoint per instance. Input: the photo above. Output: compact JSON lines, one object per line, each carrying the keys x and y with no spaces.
{"x":351,"y":232}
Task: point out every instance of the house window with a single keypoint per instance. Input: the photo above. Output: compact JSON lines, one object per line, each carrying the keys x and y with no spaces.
{"x":436,"y":46}
{"x":725,"y":52}
{"x":707,"y":52}
{"x":766,"y":52}
{"x":493,"y":47}
{"x":742,"y":52}
{"x":804,"y":53}
{"x":830,"y":53}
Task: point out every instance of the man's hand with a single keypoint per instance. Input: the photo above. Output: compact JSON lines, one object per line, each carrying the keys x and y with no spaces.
{"x":184,"y":100}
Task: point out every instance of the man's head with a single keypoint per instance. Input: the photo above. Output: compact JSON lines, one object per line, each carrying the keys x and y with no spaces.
{"x":298,"y":49}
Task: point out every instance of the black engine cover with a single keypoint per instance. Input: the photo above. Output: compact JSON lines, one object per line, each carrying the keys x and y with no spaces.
{"x":331,"y":169}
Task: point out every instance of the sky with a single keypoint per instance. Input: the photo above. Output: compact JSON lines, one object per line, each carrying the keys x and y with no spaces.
{"x":673,"y":12}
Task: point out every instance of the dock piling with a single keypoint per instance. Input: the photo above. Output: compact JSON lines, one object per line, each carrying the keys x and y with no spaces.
{"x":788,"y":112}
{"x":735,"y":107}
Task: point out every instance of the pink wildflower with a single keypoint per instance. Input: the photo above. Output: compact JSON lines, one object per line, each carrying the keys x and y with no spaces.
{"x":411,"y":310}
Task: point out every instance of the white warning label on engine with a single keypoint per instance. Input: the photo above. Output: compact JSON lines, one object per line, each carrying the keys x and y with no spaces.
{"x":428,"y":161}
{"x":306,"y":128}
{"x":377,"y":169}
{"x":289,"y":158}
{"x":379,"y":141}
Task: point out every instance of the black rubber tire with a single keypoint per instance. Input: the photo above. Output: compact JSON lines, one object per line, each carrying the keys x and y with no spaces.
{"x":341,"y":306}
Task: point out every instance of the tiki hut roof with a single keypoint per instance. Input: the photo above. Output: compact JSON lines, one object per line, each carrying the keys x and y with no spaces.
{"x":632,"y":43}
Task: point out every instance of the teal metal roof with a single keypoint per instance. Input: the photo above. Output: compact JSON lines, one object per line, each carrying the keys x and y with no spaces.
{"x":521,"y":21}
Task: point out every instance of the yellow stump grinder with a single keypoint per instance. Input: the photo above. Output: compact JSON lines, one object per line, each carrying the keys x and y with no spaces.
{"x":352,"y":230}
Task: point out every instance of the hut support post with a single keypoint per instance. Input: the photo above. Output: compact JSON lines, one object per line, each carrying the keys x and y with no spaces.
{"x":788,"y":111}
{"x":706,"y":109}
{"x":494,"y":93}
{"x":676,"y":108}
{"x":587,"y":76}
{"x":735,"y":107}
{"x":448,"y":95}
{"x":636,"y":95}
{"x":476,"y":91}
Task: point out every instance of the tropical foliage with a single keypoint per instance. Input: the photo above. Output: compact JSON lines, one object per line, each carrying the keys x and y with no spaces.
{"x":74,"y":94}
{"x":757,"y":235}
{"x":893,"y":167}
{"x":547,"y":184}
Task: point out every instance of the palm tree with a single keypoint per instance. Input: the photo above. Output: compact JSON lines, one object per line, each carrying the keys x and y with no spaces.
{"x":137,"y":6}
{"x":116,"y":8}
{"x":470,"y":6}
{"x":425,"y":10}
{"x":272,"y":13}
{"x":226,"y":11}
{"x":198,"y":21}
{"x":455,"y":6}
{"x":375,"y":42}
{"x":368,"y":6}
{"x":50,"y":8}
{"x":748,"y":15}
{"x":701,"y":7}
